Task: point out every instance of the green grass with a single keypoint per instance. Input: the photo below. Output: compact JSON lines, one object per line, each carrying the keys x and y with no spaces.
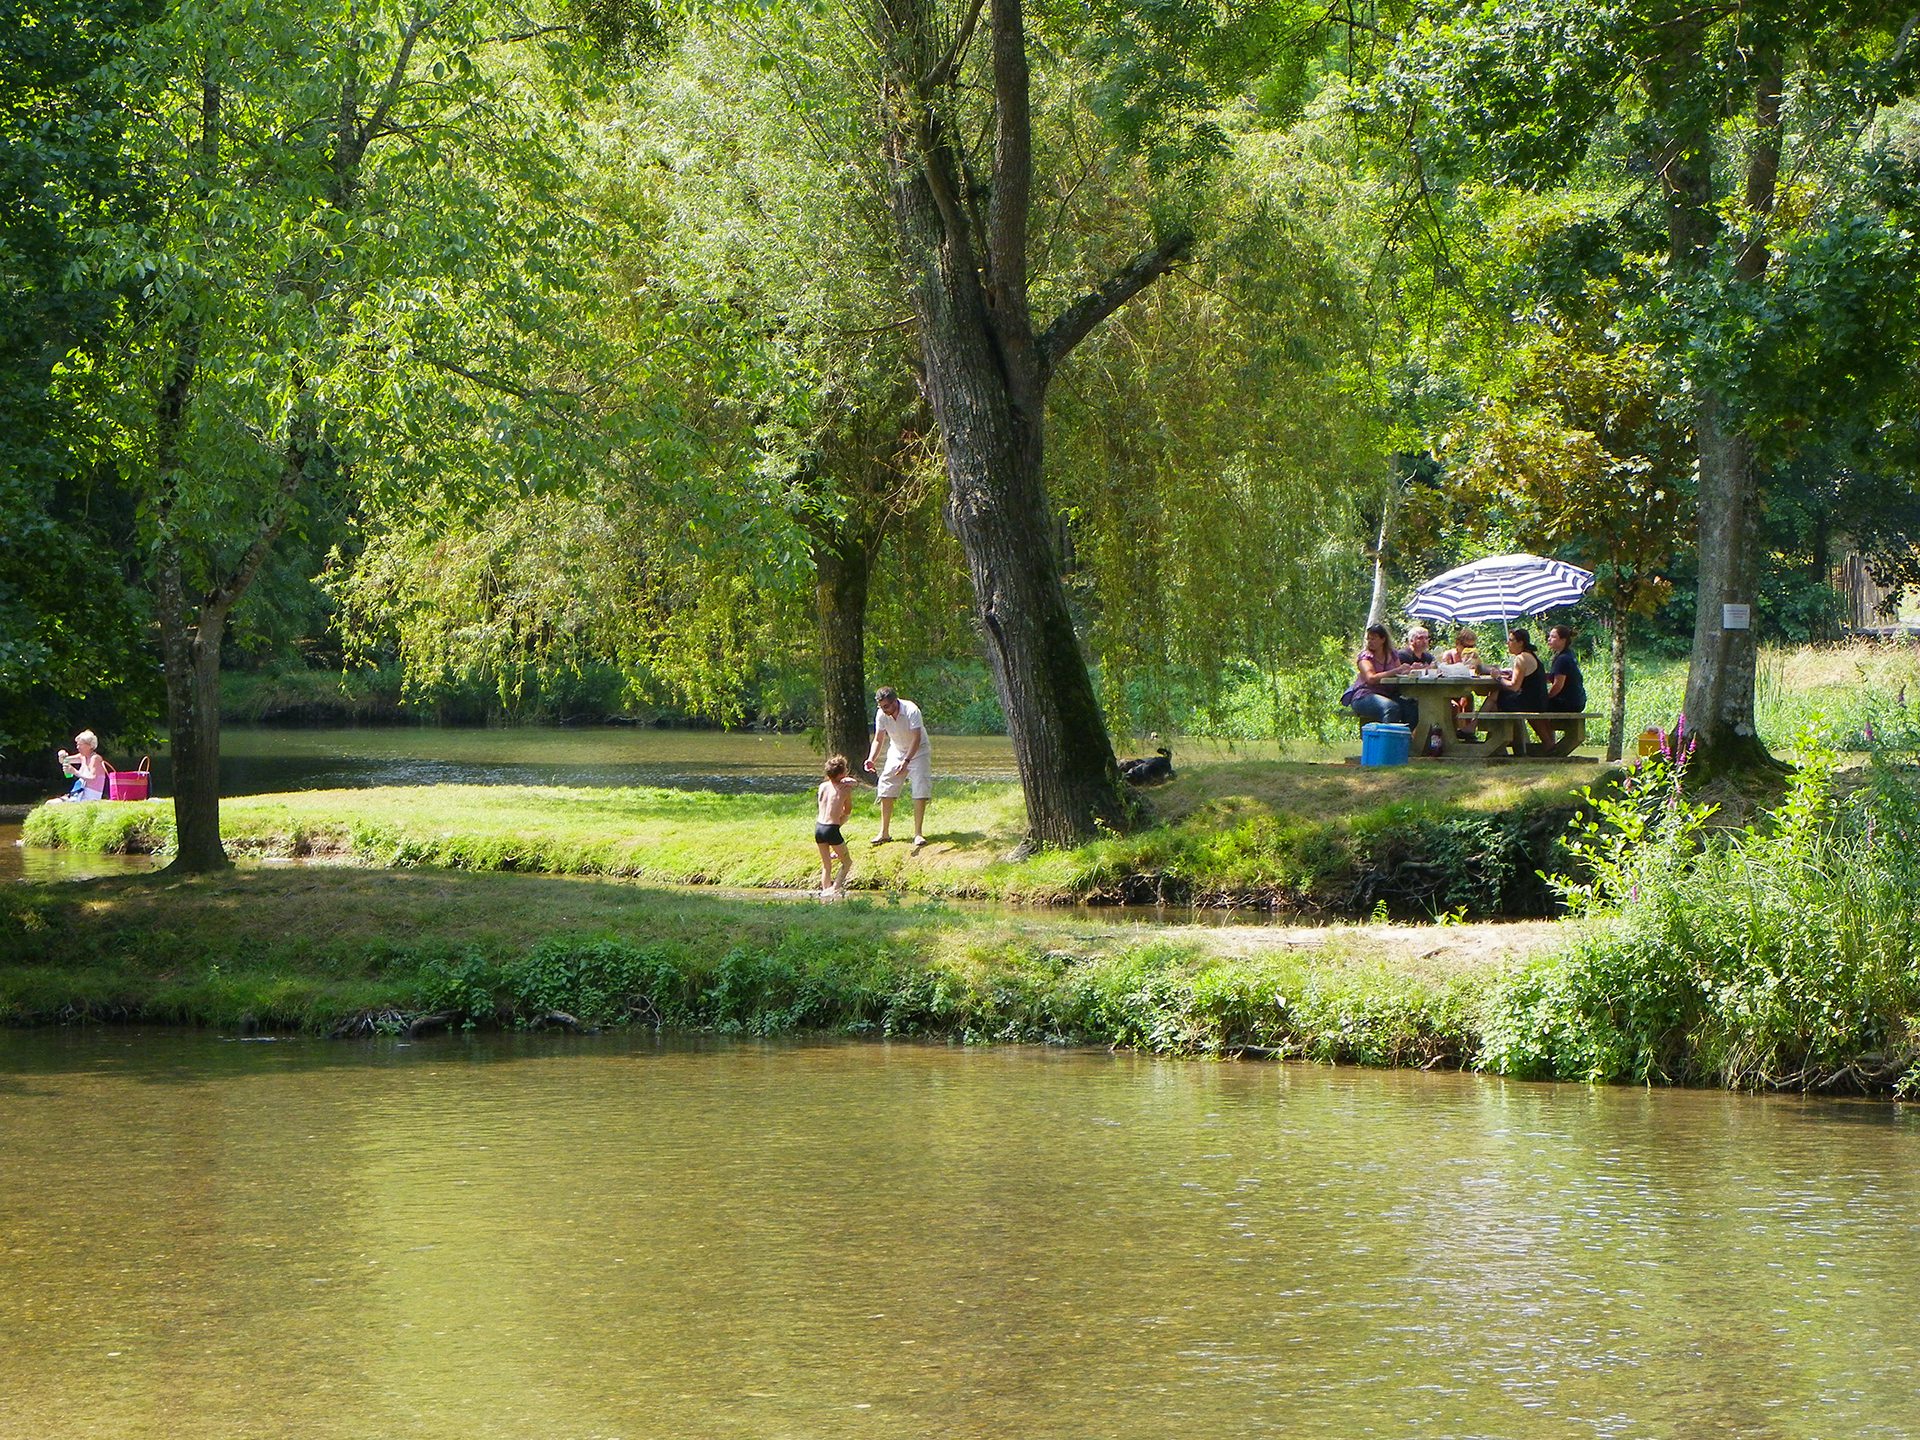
{"x":1836,"y":692}
{"x":1279,"y":833}
{"x":307,"y":949}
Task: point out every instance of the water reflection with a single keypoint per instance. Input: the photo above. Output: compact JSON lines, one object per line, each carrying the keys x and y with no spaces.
{"x":511,"y":1237}
{"x":262,"y":760}
{"x":21,"y":862}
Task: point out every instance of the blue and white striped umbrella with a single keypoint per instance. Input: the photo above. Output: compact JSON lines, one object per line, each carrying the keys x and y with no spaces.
{"x":1499,"y":587}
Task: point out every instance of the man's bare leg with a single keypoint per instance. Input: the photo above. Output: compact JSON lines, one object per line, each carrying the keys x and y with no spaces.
{"x":919,"y":822}
{"x":886,"y":821}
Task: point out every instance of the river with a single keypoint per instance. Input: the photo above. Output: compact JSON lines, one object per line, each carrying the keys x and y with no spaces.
{"x":522,"y":1237}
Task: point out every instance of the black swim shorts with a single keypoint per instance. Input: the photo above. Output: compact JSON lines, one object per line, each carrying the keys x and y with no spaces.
{"x":828,"y":835}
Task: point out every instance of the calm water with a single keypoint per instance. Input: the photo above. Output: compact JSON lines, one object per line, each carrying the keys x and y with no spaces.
{"x":258,"y":760}
{"x":597,"y":1238}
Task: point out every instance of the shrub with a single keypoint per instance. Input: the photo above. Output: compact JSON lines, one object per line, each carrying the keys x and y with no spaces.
{"x":1782,"y":954}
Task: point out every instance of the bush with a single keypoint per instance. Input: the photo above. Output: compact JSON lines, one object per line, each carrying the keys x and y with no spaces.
{"x":1783,"y":954}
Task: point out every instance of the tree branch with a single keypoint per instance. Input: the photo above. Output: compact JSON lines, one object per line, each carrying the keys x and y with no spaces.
{"x":293,"y":473}
{"x":1077,"y":321}
{"x":949,"y":64}
{"x":390,"y":91}
{"x":1010,"y":201}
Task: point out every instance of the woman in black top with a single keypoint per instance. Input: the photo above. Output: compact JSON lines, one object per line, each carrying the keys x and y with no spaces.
{"x":1566,"y":687}
{"x":1523,"y":685}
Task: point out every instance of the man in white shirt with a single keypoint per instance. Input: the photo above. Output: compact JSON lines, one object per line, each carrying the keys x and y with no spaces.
{"x":909,"y":762}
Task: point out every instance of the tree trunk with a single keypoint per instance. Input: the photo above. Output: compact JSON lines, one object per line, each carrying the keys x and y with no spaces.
{"x":997,"y":509}
{"x":1721,"y":679}
{"x":842,"y":569}
{"x":1617,"y":696}
{"x":964,"y":228}
{"x":1377,"y":606}
{"x":984,"y":378}
{"x":191,"y":658}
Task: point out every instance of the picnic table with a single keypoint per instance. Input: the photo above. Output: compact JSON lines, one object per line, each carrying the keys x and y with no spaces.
{"x":1434,"y":697}
{"x":1504,"y":733}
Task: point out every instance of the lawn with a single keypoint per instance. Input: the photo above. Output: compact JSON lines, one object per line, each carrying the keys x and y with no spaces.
{"x":1285,"y":833}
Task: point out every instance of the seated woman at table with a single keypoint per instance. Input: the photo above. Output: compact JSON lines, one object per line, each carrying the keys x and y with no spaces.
{"x":1566,"y":686}
{"x":1367,"y":697}
{"x":1523,"y":684}
{"x":1465,"y":651}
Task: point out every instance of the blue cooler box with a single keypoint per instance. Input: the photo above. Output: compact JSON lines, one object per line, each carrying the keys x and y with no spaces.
{"x":1385,"y":744}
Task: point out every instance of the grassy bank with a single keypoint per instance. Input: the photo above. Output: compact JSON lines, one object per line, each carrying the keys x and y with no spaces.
{"x":347,"y":951}
{"x":1843,"y":694}
{"x":353,"y":952}
{"x":1423,"y":841}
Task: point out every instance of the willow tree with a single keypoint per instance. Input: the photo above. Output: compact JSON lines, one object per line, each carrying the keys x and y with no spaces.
{"x":762,"y":442}
{"x":954,"y":87}
{"x":771,"y":255}
{"x":324,"y":286}
{"x":1216,"y":446}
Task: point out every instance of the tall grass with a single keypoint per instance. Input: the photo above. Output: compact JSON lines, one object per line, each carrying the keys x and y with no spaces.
{"x":1785,"y":953}
{"x":1847,"y":697}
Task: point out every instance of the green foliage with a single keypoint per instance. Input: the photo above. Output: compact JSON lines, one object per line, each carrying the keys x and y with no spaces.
{"x":1780,"y":954}
{"x":71,"y":628}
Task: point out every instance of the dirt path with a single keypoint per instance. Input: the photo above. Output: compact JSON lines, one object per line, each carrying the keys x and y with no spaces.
{"x":1444,"y":948}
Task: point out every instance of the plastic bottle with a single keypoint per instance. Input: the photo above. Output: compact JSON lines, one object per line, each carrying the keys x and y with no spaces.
{"x":1436,"y":743}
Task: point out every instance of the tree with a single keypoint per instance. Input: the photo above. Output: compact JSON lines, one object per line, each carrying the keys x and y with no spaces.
{"x":963,"y":211}
{"x":72,"y":629}
{"x":775,"y":259}
{"x":769,"y":433}
{"x":1216,"y":440}
{"x":1696,"y":97}
{"x":324,"y":290}
{"x":1587,"y":460}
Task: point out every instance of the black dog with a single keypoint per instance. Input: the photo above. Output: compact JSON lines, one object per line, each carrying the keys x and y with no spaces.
{"x":1149,"y":769}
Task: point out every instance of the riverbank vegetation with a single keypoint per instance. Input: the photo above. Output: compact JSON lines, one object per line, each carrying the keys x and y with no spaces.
{"x":344,"y":950}
{"x":1784,"y":953}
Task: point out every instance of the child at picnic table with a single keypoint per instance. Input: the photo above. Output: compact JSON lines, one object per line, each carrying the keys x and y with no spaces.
{"x":1465,"y":651}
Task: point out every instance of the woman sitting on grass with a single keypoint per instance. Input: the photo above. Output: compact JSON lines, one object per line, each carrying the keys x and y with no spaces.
{"x":89,"y":769}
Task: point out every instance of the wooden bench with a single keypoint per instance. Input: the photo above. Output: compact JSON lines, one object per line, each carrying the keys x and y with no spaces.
{"x":1509,"y":732}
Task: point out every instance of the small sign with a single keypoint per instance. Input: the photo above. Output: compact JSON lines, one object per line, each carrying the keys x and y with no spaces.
{"x":1736,"y":617}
